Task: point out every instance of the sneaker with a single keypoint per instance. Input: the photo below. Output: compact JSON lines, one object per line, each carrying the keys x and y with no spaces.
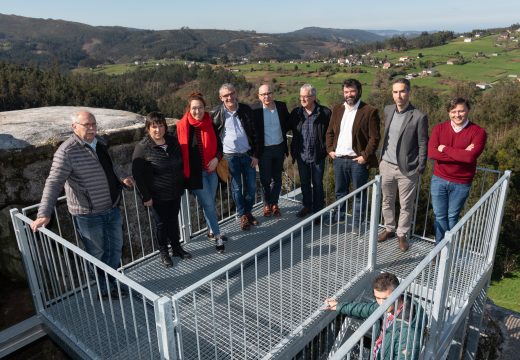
{"x":212,"y":236}
{"x":244,"y":222}
{"x":166,"y":260}
{"x":252,"y":219}
{"x":180,"y":252}
{"x":385,"y":235}
{"x":220,"y":246}
{"x":267,"y":211}
{"x":276,"y":210}
{"x":303,"y":212}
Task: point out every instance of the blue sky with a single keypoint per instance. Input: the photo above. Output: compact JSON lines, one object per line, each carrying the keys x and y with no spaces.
{"x":276,"y":16}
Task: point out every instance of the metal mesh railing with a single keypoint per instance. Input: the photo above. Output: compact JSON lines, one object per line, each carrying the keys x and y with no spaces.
{"x":102,"y":312}
{"x":439,"y":289}
{"x":255,"y":304}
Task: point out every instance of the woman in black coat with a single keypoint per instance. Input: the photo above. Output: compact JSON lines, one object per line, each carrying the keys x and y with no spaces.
{"x":158,"y":172}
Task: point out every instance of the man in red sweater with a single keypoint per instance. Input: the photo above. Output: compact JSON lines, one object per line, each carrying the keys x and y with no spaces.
{"x":455,"y":146}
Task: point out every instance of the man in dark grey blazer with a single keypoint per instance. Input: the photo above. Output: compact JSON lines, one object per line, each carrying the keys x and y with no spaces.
{"x":403,"y":159}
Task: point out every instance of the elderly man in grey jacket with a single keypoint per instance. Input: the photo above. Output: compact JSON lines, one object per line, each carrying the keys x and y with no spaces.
{"x":83,"y":166}
{"x":403,"y":159}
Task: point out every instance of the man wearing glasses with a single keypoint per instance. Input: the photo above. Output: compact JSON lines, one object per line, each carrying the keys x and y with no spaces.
{"x":309,"y":124}
{"x":83,"y":166}
{"x":238,"y":132}
{"x":272,"y":120}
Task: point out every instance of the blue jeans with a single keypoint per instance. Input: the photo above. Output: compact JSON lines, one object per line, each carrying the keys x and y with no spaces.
{"x":312,"y":174}
{"x":347,"y":172}
{"x":102,"y":235}
{"x":448,"y":199}
{"x":240,"y":168}
{"x":271,"y":167}
{"x":206,"y":198}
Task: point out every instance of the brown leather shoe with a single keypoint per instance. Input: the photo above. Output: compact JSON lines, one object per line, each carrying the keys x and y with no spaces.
{"x":385,"y":235}
{"x":252,"y":219}
{"x":244,"y":222}
{"x":303,"y":212}
{"x":276,"y":210}
{"x":267,"y":211}
{"x":403,"y":243}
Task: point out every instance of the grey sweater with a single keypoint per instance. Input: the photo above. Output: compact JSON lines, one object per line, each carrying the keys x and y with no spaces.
{"x":76,"y":166}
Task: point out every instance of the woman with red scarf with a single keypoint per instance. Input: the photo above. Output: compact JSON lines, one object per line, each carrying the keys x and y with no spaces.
{"x":201,"y":149}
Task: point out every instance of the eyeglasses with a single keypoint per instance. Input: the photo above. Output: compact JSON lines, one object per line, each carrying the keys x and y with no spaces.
{"x":266,"y":94}
{"x":304,"y":97}
{"x":228,"y":95}
{"x":88,"y":125}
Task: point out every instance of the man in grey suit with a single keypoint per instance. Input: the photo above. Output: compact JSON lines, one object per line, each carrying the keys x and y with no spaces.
{"x":403,"y":159}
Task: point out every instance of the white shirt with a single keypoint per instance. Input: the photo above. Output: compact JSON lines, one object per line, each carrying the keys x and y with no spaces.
{"x":344,"y":146}
{"x":458,"y":129}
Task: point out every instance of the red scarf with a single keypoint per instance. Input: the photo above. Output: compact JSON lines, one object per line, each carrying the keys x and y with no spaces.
{"x":207,"y":133}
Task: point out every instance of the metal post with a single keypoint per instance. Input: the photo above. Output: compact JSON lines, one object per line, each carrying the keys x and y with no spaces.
{"x":165,"y":328}
{"x":474,"y":324}
{"x":439,"y":297}
{"x":374,"y":222}
{"x":500,"y":213}
{"x":22,"y":238}
{"x":184,"y":217}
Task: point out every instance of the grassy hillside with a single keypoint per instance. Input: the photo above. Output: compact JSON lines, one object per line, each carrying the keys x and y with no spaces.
{"x":492,"y":64}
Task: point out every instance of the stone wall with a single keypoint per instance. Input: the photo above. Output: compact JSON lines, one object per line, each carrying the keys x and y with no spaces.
{"x":28,"y":140}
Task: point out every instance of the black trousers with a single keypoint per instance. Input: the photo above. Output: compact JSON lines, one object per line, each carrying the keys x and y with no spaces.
{"x":166,"y":216}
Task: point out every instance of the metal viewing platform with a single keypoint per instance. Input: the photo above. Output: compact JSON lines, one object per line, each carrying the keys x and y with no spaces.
{"x":263,"y":298}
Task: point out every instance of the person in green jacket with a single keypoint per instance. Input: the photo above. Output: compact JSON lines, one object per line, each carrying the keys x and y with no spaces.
{"x":401,"y":338}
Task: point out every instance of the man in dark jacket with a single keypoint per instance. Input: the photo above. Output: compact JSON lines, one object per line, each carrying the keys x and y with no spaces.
{"x":272,"y":120}
{"x":352,"y":140}
{"x":82,"y":164}
{"x":397,"y":341}
{"x":309,"y":123}
{"x":237,"y":129}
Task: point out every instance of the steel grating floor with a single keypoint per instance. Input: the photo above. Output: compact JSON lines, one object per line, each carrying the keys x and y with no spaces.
{"x":231,"y":328}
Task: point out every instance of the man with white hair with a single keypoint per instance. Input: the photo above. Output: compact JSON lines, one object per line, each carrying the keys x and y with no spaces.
{"x":83,"y":166}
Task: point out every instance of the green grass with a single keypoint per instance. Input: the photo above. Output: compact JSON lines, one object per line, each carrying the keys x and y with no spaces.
{"x":506,"y":292}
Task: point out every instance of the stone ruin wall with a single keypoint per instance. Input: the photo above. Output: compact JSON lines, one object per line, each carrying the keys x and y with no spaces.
{"x":28,"y":140}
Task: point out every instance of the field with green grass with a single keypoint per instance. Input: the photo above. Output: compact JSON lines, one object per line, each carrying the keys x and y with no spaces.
{"x":506,"y":292}
{"x":485,"y":61}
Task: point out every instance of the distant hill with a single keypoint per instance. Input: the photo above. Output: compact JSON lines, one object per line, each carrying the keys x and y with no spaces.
{"x":72,"y":44}
{"x":390,"y":33}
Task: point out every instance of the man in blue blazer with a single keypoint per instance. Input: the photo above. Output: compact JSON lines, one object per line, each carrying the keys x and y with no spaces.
{"x":272,"y":122}
{"x":403,"y":159}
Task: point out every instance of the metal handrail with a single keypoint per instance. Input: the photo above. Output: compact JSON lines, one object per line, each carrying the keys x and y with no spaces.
{"x":441,"y":254}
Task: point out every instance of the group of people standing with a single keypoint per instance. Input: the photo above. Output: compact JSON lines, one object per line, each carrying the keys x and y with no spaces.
{"x":164,"y":164}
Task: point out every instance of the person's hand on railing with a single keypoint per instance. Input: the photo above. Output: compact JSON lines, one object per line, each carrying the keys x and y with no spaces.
{"x":39,"y":222}
{"x":330,"y":304}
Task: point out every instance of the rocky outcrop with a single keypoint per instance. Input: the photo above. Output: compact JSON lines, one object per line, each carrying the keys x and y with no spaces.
{"x":28,"y":140}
